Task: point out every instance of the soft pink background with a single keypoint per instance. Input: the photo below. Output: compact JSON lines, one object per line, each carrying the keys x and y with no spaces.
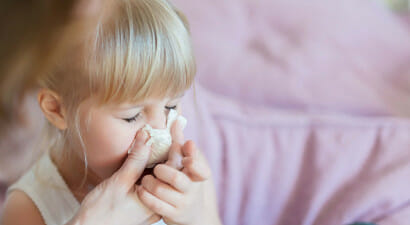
{"x":350,"y":55}
{"x":303,"y":109}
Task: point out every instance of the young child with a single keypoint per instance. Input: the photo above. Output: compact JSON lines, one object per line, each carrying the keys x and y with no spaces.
{"x":127,"y":78}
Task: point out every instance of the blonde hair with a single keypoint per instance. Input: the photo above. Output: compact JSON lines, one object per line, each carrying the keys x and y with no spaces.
{"x":141,"y":50}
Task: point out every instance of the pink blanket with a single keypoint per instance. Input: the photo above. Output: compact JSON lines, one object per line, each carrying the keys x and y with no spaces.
{"x":303,"y":109}
{"x":278,"y":167}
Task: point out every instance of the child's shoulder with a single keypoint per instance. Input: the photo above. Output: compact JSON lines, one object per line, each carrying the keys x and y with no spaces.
{"x":20,"y":209}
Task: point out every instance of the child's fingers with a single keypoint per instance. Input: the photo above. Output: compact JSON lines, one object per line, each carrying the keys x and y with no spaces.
{"x":173,"y":177}
{"x":155,"y":204}
{"x":176,"y":132}
{"x":175,"y":156}
{"x":196,"y":169}
{"x":195,"y":165}
{"x":189,"y":149}
{"x":161,"y":190}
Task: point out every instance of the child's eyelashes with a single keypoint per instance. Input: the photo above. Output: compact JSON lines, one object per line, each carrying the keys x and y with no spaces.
{"x":171,"y":107}
{"x":132,"y":119}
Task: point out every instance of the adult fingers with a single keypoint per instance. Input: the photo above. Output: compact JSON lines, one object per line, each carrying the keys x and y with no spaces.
{"x":136,"y":161}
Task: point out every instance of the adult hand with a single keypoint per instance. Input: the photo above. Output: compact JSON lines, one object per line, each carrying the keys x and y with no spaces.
{"x":115,"y":200}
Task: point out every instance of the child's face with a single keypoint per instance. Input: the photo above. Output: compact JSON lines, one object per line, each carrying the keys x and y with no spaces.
{"x":109,"y":131}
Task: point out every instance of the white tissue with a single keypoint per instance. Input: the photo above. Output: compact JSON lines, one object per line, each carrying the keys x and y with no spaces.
{"x":161,"y":139}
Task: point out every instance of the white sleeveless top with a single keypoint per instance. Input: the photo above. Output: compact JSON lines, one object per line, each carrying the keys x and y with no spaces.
{"x":44,"y":185}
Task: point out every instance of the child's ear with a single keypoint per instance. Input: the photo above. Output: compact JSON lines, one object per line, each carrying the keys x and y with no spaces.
{"x":52,"y":107}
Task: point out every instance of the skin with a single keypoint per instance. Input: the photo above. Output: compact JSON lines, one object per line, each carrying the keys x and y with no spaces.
{"x":108,"y":132}
{"x":107,"y":135}
{"x":118,"y":191}
{"x":182,"y":196}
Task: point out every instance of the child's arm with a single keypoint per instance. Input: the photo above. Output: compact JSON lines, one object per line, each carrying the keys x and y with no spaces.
{"x":20,"y":210}
{"x":184,"y":197}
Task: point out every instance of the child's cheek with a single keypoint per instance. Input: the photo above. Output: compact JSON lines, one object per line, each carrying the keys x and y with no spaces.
{"x":108,"y":145}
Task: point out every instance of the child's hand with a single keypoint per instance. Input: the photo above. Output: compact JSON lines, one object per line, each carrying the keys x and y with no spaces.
{"x":182,"y":197}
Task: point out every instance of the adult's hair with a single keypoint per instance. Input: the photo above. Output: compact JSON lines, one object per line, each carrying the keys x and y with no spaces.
{"x":32,"y":34}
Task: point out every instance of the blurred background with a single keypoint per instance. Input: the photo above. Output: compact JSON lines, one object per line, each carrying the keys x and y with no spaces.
{"x":301,"y":107}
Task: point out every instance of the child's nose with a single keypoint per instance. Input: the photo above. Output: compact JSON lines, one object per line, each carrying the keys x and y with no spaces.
{"x":158,"y":120}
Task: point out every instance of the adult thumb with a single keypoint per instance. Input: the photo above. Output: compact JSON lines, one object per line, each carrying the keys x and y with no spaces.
{"x":137,"y":159}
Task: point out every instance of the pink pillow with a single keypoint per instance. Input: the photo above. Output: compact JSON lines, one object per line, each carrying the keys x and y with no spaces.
{"x":280,"y":167}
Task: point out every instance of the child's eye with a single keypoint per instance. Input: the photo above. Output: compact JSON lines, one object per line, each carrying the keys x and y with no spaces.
{"x":132,"y":119}
{"x":171,"y":107}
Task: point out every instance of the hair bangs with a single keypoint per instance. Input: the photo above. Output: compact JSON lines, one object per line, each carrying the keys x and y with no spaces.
{"x":144,"y":53}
